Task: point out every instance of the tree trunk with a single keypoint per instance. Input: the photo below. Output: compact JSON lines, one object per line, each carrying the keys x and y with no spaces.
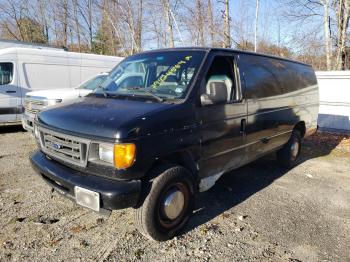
{"x":90,"y":23}
{"x":166,"y":7}
{"x":211,"y":23}
{"x":200,"y":24}
{"x":139,"y":25}
{"x":65,"y":23}
{"x":227,"y":30}
{"x":327,"y":34}
{"x":77,"y":25}
{"x":256,"y":26}
{"x":342,"y":13}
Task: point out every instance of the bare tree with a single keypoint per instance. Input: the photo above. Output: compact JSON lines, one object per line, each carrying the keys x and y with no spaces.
{"x":167,"y":15}
{"x":327,"y":35}
{"x":77,"y":23}
{"x":200,"y":22}
{"x":86,"y":13}
{"x":342,"y":8}
{"x":227,"y":20}
{"x":64,"y":20}
{"x":211,"y":23}
{"x":138,"y":30}
{"x":256,"y":25}
{"x":317,"y":30}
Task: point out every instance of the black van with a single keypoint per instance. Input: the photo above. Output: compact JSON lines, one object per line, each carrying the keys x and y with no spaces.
{"x":167,"y":124}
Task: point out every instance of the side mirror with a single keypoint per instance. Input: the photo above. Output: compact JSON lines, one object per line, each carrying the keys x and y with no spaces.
{"x":218,"y":94}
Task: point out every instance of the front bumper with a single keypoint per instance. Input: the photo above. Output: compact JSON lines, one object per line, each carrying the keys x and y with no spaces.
{"x":113,"y":194}
{"x":27,"y":122}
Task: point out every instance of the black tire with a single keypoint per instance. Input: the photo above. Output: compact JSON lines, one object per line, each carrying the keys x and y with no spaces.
{"x":150,"y":218}
{"x":288,"y":155}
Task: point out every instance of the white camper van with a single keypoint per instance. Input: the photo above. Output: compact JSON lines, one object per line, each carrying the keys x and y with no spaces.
{"x":29,"y":69}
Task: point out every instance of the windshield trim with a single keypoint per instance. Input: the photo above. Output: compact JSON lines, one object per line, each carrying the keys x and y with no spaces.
{"x":132,"y":96}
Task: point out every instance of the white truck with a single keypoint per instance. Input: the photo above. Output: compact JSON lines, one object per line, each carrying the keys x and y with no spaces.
{"x":23,"y":70}
{"x":36,"y":101}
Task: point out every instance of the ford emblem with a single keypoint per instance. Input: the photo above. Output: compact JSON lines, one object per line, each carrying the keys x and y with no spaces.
{"x":56,"y":146}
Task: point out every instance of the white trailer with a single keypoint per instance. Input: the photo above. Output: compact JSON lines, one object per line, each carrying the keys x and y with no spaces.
{"x":29,"y":69}
{"x":334,"y":88}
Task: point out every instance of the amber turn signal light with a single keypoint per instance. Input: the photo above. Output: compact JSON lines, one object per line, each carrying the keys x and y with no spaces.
{"x":124,"y":155}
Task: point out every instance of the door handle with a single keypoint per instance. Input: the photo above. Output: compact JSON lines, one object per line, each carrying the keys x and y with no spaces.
{"x":243,"y":126}
{"x":10,"y":91}
{"x":265,"y":140}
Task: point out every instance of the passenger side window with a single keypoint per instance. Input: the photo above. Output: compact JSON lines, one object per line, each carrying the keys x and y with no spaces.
{"x":261,"y":76}
{"x":6,"y":73}
{"x":219,"y":81}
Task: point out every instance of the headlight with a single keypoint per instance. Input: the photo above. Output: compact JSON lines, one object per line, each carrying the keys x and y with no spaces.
{"x":120,"y":155}
{"x":36,"y":132}
{"x":51,"y":102}
{"x":105,"y":152}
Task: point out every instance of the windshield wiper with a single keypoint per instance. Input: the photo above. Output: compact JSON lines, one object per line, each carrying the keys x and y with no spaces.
{"x":102,"y":89}
{"x":137,"y":88}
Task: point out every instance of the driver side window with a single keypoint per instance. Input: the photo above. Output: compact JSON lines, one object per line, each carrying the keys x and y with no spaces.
{"x":6,"y":73}
{"x":220,"y":77}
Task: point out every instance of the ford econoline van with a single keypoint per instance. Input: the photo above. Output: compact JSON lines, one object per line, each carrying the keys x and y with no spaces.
{"x":183,"y":118}
{"x":29,"y":69}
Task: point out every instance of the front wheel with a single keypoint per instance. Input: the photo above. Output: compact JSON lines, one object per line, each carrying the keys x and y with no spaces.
{"x":289,"y":153}
{"x":167,"y":206}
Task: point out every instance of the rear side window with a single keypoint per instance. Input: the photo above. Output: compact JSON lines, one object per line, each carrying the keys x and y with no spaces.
{"x":265,"y":77}
{"x":6,"y":73}
{"x":260,"y":77}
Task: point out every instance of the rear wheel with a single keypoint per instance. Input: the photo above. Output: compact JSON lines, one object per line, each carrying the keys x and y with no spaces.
{"x":289,"y":153}
{"x":168,"y":204}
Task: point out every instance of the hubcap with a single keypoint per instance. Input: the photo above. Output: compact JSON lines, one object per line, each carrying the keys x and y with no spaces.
{"x":173,"y":204}
{"x":295,"y":149}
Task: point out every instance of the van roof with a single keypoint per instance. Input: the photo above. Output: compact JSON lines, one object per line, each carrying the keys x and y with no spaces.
{"x":38,"y":51}
{"x":209,"y":49}
{"x":6,"y":43}
{"x":28,"y":50}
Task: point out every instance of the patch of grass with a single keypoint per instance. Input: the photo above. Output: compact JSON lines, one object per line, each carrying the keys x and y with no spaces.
{"x":138,"y":253}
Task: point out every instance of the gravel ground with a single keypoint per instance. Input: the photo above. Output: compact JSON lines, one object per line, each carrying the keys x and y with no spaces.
{"x":257,"y":213}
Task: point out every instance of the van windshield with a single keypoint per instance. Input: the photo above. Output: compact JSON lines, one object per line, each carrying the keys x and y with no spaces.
{"x":93,"y":83}
{"x":161,"y":75}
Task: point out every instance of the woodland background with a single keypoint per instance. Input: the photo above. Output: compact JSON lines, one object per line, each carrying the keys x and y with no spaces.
{"x":313,"y":31}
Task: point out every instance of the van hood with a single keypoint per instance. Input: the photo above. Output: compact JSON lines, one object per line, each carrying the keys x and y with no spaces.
{"x":62,"y":93}
{"x":108,"y":118}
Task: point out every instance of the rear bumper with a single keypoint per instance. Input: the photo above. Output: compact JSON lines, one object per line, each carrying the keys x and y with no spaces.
{"x":113,"y":194}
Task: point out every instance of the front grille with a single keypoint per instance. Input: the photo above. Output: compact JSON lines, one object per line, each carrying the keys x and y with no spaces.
{"x":33,"y":106}
{"x":73,"y":150}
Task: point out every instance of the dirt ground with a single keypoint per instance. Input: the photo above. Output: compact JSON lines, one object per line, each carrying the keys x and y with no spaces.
{"x":257,"y":213}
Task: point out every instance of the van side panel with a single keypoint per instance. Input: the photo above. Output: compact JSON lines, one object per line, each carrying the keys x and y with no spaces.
{"x":74,"y":62}
{"x":279,"y":94}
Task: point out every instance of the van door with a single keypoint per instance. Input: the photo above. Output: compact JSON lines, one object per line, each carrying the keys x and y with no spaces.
{"x":270,"y":113}
{"x":10,"y":97}
{"x":222,"y":117}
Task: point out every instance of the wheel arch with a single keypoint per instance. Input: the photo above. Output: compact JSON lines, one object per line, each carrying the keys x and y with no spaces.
{"x":301,"y":127}
{"x":183,"y":158}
